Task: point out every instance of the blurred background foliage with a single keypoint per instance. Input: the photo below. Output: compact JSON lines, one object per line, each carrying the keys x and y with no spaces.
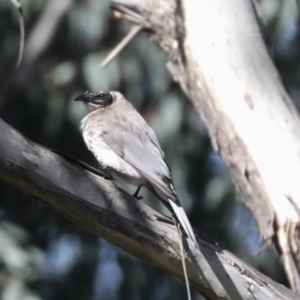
{"x":44,"y":256}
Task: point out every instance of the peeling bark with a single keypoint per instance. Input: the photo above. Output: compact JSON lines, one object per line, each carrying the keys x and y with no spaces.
{"x":217,"y":55}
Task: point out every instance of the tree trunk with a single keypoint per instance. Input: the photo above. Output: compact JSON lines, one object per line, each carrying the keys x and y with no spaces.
{"x":217,"y":55}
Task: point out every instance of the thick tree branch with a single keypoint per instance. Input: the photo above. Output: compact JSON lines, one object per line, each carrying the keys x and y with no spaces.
{"x":217,"y":54}
{"x":102,"y":208}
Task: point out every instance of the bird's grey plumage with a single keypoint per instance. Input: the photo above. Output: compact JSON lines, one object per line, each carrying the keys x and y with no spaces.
{"x":128,"y":148}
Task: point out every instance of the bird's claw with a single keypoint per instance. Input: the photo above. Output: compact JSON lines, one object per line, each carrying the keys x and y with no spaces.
{"x":136,"y":194}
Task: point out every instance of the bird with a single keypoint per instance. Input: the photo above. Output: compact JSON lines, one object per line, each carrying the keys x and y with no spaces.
{"x":127,"y":149}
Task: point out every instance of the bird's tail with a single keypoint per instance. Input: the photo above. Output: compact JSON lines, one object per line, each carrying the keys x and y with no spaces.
{"x":183,"y":219}
{"x":175,"y":207}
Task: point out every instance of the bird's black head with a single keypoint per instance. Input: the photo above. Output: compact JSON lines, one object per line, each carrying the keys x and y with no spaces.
{"x":95,"y":101}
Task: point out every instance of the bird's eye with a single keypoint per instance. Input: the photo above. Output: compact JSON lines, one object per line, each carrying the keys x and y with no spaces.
{"x":104,"y":99}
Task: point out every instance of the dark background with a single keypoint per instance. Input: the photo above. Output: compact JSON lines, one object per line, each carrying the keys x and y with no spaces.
{"x":44,"y":256}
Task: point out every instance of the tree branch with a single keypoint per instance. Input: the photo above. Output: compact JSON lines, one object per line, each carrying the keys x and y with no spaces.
{"x":102,"y":208}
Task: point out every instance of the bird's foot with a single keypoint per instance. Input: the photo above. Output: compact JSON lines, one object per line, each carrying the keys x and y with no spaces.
{"x":136,"y":194}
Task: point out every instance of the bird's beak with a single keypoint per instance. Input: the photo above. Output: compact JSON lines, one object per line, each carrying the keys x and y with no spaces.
{"x":84,"y":98}
{"x":100,"y":99}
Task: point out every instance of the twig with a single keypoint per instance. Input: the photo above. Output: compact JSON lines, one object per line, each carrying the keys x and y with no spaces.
{"x":186,"y":278}
{"x":122,"y":12}
{"x":44,"y":29}
{"x":18,"y":6}
{"x":132,"y":33}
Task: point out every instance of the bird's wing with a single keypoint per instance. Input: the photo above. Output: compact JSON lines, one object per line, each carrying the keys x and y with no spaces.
{"x":134,"y":141}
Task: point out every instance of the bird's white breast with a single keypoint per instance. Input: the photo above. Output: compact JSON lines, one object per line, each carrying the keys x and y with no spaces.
{"x":106,"y":157}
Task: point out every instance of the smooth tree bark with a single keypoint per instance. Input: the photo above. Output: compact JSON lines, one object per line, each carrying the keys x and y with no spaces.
{"x":217,"y":54}
{"x":99,"y":206}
